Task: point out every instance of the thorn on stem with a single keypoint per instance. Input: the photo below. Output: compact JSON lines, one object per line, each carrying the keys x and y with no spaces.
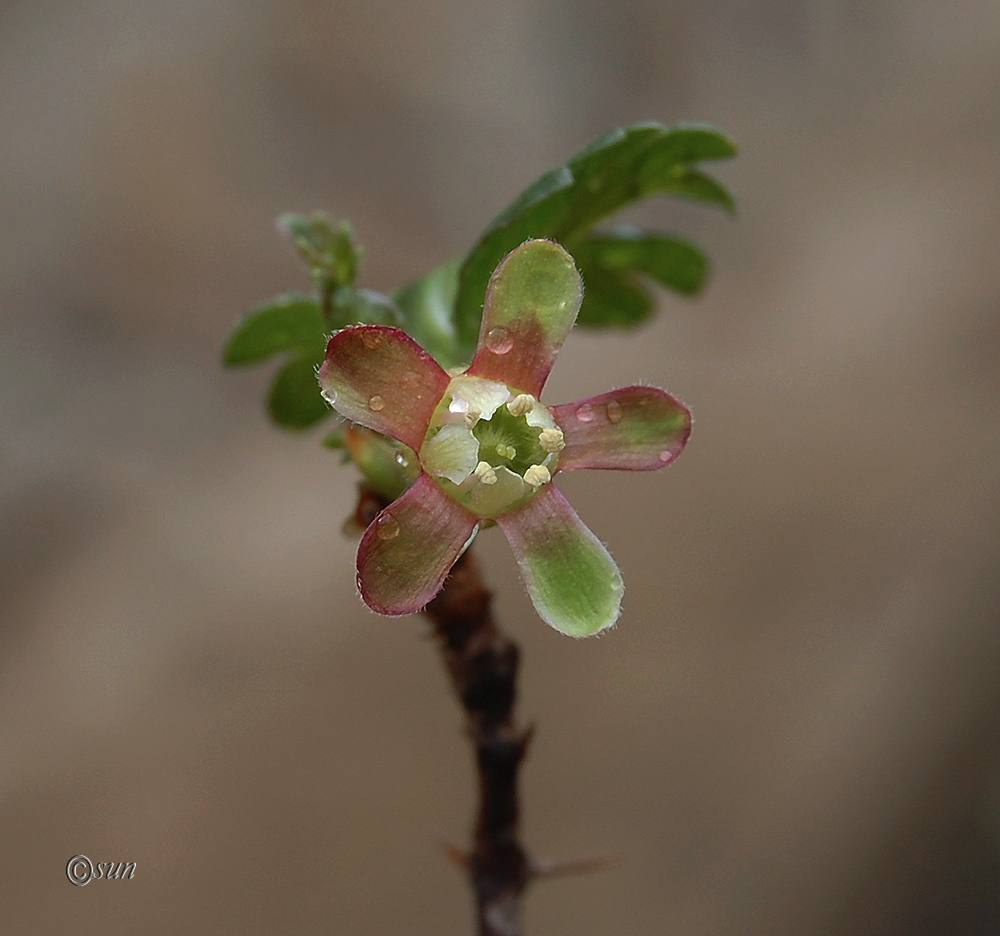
{"x":548,"y":868}
{"x":457,"y":855}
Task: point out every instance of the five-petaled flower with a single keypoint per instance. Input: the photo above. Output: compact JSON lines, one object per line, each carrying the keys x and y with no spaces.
{"x":488,"y":449}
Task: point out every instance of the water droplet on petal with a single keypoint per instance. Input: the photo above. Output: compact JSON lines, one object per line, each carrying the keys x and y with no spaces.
{"x":614,"y":411}
{"x":499,"y":340}
{"x":401,"y":460}
{"x":585,"y":413}
{"x":386,"y":527}
{"x":376,"y":403}
{"x":666,"y":455}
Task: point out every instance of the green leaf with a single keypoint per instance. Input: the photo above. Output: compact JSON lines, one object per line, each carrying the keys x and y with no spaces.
{"x":700,"y":187}
{"x":609,"y":261}
{"x":672,"y":261}
{"x":331,"y":253}
{"x":427,"y":308}
{"x":295,"y":400}
{"x":610,"y":300}
{"x":362,"y":307}
{"x":335,"y":439}
{"x":389,"y":466}
{"x":287,"y":323}
{"x":619,"y":168}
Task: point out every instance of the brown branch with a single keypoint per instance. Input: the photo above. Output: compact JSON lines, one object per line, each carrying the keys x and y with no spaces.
{"x":482,"y":663}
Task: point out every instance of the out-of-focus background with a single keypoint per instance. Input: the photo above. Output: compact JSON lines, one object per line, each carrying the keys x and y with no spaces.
{"x":794,"y":728}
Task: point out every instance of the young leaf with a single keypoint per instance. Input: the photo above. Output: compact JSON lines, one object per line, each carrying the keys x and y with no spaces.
{"x":388,"y":466}
{"x":330,"y":252}
{"x":362,"y":307}
{"x":295,"y":401}
{"x":427,"y":307}
{"x":335,"y":439}
{"x":295,"y":324}
{"x":287,"y":323}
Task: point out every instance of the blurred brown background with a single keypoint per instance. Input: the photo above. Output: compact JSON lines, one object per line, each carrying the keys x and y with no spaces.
{"x":793,"y":730}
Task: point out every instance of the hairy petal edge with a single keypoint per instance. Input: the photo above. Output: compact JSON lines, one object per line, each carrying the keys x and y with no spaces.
{"x":633,"y":429}
{"x":573,"y":582}
{"x":409,"y":548}
{"x":380,"y":377}
{"x":531,"y":304}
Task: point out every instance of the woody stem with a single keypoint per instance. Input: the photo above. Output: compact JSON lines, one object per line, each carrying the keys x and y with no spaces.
{"x":482,"y":663}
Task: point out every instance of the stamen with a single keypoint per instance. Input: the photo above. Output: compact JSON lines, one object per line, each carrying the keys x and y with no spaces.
{"x":471,"y":418}
{"x":486,"y":473}
{"x":537,"y":475}
{"x":521,"y":405}
{"x":552,"y":440}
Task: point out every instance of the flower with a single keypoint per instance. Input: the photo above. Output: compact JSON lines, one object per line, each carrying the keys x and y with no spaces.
{"x":488,"y":449}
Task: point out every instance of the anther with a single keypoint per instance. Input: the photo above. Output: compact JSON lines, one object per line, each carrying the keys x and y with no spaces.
{"x":537,"y":475}
{"x":485,"y":473}
{"x":552,"y":440}
{"x":521,"y":405}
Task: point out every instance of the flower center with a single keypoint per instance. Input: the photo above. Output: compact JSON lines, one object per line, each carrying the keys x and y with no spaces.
{"x":490,"y":448}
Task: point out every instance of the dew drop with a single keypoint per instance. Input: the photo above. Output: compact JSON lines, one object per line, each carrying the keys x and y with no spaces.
{"x":499,"y":340}
{"x":585,"y":413}
{"x":666,"y":455}
{"x":614,"y":411}
{"x":401,"y":460}
{"x":375,"y":403}
{"x":386,"y":527}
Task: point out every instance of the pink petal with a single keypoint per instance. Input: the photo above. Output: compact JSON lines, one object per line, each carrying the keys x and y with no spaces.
{"x":531,"y":304}
{"x":573,"y":582}
{"x":408,"y":550}
{"x":635,"y":428}
{"x":380,"y":377}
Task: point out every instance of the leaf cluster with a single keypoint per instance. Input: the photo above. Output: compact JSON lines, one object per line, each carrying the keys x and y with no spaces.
{"x":443,"y":309}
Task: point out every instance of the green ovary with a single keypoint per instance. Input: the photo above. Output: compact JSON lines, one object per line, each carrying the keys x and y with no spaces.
{"x":507,"y":441}
{"x":482,"y":462}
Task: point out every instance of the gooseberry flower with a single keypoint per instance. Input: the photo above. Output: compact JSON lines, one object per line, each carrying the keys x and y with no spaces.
{"x":488,"y":449}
